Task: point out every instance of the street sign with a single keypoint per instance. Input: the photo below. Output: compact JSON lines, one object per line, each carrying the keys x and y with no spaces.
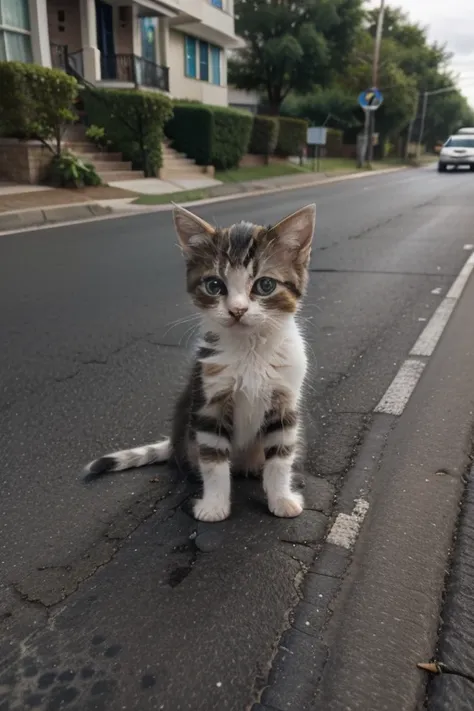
{"x":370,"y":99}
{"x":316,"y":136}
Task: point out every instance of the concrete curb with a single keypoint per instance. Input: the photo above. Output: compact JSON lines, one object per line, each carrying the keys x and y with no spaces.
{"x":38,"y":216}
{"x":242,"y":194}
{"x":370,"y":606}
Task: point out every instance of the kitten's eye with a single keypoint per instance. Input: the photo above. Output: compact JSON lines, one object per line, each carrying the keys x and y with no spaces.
{"x":264,"y":286}
{"x":214,"y":286}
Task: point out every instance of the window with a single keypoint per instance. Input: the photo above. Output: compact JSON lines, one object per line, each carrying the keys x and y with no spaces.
{"x":217,"y":3}
{"x":204,"y":61}
{"x":15,"y":39}
{"x":209,"y":60}
{"x":215,"y":65}
{"x":190,"y":57}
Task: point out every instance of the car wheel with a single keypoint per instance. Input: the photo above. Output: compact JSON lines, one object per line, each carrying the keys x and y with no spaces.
{"x":442,"y":167}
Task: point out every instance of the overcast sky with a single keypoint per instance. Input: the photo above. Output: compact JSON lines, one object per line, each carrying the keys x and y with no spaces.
{"x":452,"y":22}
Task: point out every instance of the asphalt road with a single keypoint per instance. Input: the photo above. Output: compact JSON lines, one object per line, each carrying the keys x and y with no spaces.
{"x":92,"y":353}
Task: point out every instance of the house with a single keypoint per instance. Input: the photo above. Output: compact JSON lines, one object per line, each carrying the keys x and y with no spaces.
{"x":174,"y":46}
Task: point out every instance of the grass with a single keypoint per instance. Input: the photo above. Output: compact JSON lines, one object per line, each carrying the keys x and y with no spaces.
{"x":259,"y":172}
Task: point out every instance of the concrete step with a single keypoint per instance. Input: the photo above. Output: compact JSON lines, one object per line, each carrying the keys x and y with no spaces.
{"x":176,"y":162}
{"x":112,"y":165}
{"x":75,"y":133}
{"x":180,"y":173}
{"x":101,"y":157}
{"x":108,"y":176}
{"x":80,"y":146}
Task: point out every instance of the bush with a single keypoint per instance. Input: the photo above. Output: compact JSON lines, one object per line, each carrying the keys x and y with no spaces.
{"x":264,"y":136}
{"x":292,"y":136}
{"x":231,"y":138}
{"x":35,"y":102}
{"x":133,"y":123}
{"x":334,"y":142}
{"x":210,"y":135}
{"x":191,"y":131}
{"x":69,"y":171}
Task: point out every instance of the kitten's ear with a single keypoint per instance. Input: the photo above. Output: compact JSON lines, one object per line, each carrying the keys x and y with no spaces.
{"x":190,"y":228}
{"x":295,"y":232}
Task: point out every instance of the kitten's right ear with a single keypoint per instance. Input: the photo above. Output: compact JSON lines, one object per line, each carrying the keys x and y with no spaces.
{"x":191,"y":229}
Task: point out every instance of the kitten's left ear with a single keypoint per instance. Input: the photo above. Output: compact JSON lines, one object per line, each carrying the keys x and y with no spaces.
{"x":190,"y":228}
{"x":295,"y":232}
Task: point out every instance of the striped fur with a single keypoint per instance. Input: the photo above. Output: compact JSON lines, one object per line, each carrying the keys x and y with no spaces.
{"x":239,"y":409}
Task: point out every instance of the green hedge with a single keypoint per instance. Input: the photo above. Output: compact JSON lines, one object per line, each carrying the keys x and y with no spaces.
{"x":133,"y":122}
{"x":334,"y":139}
{"x":231,"y":138}
{"x":264,"y":136}
{"x":191,"y":131}
{"x":210,"y":135}
{"x":35,"y":101}
{"x":292,"y":136}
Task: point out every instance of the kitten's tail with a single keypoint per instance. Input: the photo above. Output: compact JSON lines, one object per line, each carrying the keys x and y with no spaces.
{"x":129,"y":458}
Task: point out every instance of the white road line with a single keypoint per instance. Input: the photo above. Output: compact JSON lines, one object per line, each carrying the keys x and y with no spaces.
{"x":401,"y":388}
{"x":345,"y":528}
{"x":399,"y":392}
{"x":431,"y":334}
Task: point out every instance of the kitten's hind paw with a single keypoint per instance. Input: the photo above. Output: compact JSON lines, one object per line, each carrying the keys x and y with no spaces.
{"x":287,"y":507}
{"x":211,"y":511}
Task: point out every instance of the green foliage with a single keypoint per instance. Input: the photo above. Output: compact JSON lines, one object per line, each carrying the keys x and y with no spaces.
{"x":231,"y":138}
{"x":291,"y":46}
{"x":333,"y":106}
{"x":35,"y":102}
{"x":291,"y":137}
{"x":133,"y":122}
{"x":334,"y":142}
{"x":96,"y":134}
{"x":69,"y":171}
{"x":264,"y":136}
{"x":210,"y":135}
{"x":191,"y":131}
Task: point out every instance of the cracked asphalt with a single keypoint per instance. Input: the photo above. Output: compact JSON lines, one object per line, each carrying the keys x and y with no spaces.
{"x":111,"y":596}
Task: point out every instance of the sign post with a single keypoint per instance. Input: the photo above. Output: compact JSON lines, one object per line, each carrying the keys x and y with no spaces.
{"x":369,"y":100}
{"x":316,"y":138}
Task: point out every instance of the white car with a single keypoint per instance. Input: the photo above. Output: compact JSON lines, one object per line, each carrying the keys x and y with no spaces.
{"x":458,"y":150}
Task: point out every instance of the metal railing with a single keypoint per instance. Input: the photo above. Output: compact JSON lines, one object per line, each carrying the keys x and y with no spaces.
{"x":133,"y":69}
{"x":127,"y":68}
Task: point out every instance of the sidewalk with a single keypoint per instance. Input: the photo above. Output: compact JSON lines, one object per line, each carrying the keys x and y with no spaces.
{"x":49,"y":206}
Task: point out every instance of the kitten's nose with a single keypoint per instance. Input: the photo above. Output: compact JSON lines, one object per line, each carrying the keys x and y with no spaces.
{"x":238,"y":313}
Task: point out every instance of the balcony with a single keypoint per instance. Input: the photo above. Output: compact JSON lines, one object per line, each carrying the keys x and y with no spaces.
{"x":120,"y":68}
{"x":131,"y":69}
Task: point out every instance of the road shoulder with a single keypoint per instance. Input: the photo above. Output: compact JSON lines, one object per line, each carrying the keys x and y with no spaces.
{"x":382,"y":600}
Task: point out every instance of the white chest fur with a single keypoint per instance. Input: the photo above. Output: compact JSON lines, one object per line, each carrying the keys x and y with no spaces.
{"x":256,"y":367}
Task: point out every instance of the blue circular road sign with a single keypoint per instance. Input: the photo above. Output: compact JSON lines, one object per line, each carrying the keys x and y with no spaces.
{"x":370,"y":99}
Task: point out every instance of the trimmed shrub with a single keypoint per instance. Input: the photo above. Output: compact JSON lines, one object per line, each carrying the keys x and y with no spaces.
{"x":210,"y":135}
{"x":133,"y":123}
{"x":264,"y":136}
{"x":191,"y":131}
{"x":231,"y":138}
{"x":292,"y":136}
{"x":334,"y":142}
{"x":36,"y":102}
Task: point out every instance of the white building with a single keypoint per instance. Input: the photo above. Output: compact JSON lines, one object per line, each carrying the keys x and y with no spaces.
{"x":175,"y":46}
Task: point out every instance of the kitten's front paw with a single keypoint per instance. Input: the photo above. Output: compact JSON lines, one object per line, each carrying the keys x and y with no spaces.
{"x":211,"y":510}
{"x":288,"y":507}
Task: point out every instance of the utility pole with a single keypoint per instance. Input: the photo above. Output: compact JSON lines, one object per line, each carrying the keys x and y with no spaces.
{"x":375,"y":74}
{"x":412,"y":123}
{"x":426,"y":94}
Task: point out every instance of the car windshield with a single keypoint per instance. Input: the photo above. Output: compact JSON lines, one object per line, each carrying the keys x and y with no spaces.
{"x":460,"y":142}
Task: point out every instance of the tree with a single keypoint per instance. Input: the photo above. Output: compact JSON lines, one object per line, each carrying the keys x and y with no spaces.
{"x":291,"y":45}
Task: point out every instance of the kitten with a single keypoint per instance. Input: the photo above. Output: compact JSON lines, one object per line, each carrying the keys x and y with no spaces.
{"x":239,"y":409}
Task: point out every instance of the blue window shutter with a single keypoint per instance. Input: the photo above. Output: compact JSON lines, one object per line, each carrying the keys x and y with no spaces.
{"x":190,"y":57}
{"x":204,"y":61}
{"x":215,"y":65}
